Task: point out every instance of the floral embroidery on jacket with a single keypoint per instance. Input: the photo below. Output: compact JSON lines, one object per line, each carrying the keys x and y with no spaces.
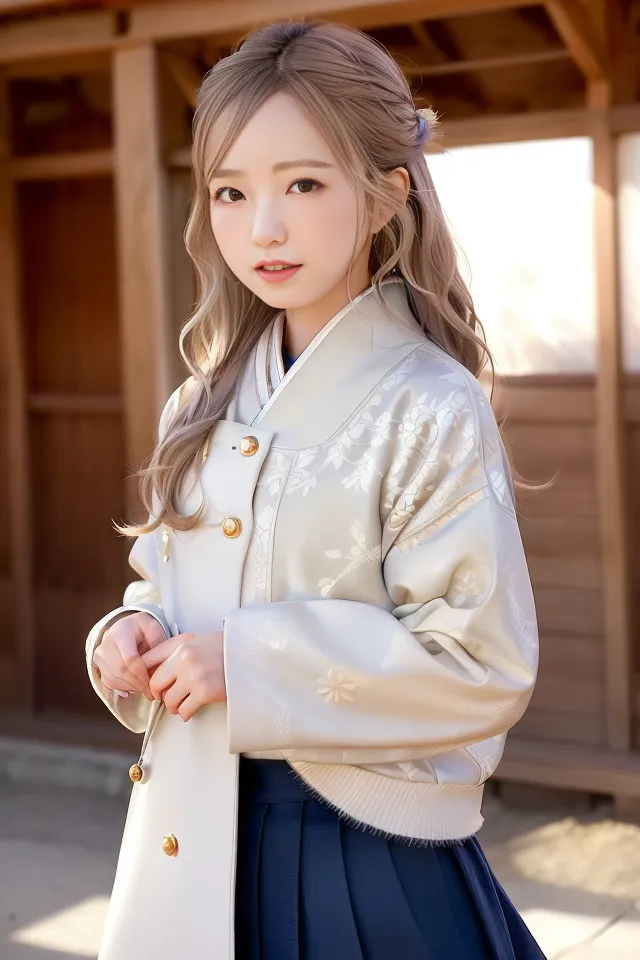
{"x":335,"y":686}
{"x":356,"y":557}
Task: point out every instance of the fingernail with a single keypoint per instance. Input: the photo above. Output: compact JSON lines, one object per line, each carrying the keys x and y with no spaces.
{"x":122,"y":693}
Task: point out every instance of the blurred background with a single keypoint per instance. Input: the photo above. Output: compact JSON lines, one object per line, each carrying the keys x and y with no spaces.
{"x":538,"y":170}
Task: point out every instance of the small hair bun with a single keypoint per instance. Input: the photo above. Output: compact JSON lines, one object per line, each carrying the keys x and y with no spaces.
{"x":427,"y":125}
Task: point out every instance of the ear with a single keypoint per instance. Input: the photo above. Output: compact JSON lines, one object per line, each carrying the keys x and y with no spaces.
{"x":399,"y":186}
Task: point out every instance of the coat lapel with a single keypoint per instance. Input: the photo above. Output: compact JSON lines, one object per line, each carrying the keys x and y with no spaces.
{"x":342,"y":363}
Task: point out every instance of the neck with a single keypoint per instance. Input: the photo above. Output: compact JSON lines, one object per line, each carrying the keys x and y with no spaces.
{"x":303,"y":323}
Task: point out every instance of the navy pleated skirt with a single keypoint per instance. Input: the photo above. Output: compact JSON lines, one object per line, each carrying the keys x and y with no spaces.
{"x":310,"y":886}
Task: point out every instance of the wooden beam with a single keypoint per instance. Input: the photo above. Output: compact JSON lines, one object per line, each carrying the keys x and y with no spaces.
{"x":192,"y":18}
{"x":610,"y":435}
{"x":625,"y":118}
{"x":144,"y":269}
{"x":21,"y":6}
{"x":488,"y":63}
{"x":60,"y":166}
{"x":433,"y":53}
{"x":17,"y":468}
{"x":511,"y":128}
{"x":578,"y":32}
{"x":186,"y":76}
{"x":61,"y":36}
{"x":571,"y":767}
{"x":67,"y":65}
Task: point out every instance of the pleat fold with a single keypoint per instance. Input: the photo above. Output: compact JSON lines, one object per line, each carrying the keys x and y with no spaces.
{"x":327,"y":923}
{"x":280,"y":881}
{"x":311,"y":886}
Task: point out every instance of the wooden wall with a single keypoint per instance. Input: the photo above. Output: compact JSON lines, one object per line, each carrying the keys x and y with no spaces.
{"x":76,"y":446}
{"x":551,"y":435}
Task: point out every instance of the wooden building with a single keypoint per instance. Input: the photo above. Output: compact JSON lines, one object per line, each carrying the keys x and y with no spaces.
{"x":96,"y":106}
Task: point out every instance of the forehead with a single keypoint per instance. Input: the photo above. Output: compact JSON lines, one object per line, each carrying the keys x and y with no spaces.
{"x":280,"y":131}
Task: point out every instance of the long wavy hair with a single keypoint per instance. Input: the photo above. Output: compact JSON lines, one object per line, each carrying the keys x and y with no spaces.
{"x":361,"y":103}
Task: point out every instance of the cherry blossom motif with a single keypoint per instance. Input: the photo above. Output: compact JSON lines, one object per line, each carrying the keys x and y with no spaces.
{"x":335,"y":686}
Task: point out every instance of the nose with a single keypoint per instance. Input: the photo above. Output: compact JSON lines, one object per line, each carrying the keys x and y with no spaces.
{"x":268,"y":225}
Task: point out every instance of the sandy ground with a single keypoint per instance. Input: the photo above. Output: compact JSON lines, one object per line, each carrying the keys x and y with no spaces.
{"x":575,"y":879}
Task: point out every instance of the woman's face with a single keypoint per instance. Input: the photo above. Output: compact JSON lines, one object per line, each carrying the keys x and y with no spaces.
{"x":285,"y":198}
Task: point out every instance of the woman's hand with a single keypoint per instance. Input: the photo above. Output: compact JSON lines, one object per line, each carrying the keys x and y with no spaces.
{"x":118,"y":656}
{"x":189,"y":672}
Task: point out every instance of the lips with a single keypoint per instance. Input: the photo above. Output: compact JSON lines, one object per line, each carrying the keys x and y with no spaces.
{"x":276,"y":263}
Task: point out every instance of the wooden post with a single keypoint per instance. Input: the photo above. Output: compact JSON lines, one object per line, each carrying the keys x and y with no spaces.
{"x":17,"y":463}
{"x":610,"y":445}
{"x":142,"y":213}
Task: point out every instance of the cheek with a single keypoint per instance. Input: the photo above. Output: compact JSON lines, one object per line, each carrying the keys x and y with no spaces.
{"x":331,"y":224}
{"x":224,"y":229}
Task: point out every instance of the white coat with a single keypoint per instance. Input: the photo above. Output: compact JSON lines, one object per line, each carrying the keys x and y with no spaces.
{"x":361,"y":552}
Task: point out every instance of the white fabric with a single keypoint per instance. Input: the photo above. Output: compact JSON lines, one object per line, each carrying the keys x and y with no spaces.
{"x":379,"y":625}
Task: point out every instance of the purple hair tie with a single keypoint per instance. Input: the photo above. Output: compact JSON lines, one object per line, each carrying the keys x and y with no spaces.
{"x":423,"y":130}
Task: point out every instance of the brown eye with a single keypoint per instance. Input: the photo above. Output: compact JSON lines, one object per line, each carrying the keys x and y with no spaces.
{"x":314,"y":183}
{"x":219,"y":192}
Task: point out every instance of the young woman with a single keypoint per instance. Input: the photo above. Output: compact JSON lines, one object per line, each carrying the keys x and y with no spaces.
{"x":334,"y":628}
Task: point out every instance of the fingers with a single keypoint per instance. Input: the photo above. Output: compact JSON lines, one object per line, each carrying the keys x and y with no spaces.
{"x":188,"y":707}
{"x":174,"y":695}
{"x":134,"y":665}
{"x":111,"y":677}
{"x":150,"y":633}
{"x":162,"y":651}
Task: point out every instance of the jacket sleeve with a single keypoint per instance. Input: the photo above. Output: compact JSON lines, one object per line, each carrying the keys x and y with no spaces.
{"x":140,"y":596}
{"x":451,"y":663}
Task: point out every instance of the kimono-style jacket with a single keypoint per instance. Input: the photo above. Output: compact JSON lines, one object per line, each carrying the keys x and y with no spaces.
{"x":361,"y":553}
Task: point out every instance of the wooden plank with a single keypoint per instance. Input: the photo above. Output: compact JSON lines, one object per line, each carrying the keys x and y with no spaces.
{"x":19,"y":481}
{"x":625,"y":118}
{"x":574,"y":767}
{"x":488,"y":63}
{"x":193,"y":18}
{"x":511,"y":128}
{"x":60,"y":166}
{"x":79,"y":404}
{"x":21,"y":6}
{"x":573,"y":23}
{"x":530,"y":404}
{"x":610,"y":451}
{"x":185,"y":74}
{"x":142,"y":214}
{"x":561,"y":726}
{"x":67,"y":65}
{"x":57,"y":36}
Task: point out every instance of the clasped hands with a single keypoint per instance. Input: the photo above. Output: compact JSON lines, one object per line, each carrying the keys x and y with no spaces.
{"x":185,"y":671}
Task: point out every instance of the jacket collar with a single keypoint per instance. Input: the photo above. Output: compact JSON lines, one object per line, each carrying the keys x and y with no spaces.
{"x":341,"y":365}
{"x":270,"y":375}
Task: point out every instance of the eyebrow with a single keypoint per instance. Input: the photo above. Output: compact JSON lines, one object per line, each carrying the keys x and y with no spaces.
{"x":284,"y":165}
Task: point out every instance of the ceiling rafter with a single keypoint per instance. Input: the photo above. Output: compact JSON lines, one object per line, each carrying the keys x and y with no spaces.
{"x":185,"y":74}
{"x":578,"y":32}
{"x":452,"y":67}
{"x":432,"y":51}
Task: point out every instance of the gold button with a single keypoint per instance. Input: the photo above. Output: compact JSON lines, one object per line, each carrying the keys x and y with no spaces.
{"x":231,"y":527}
{"x":135,"y":773}
{"x":170,"y":845}
{"x":249,"y":446}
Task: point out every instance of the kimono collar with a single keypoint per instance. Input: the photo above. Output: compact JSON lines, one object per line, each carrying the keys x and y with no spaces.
{"x":269,"y":367}
{"x":345,"y":360}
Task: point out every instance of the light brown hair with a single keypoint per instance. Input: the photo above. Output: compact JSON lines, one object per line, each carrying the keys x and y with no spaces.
{"x":361,"y":103}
